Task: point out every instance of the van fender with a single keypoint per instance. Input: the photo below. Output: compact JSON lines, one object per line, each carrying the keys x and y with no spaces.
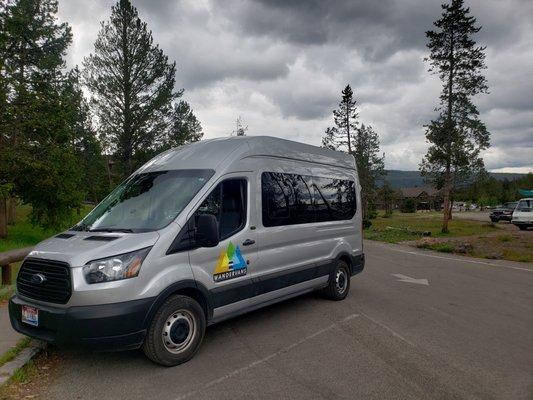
{"x":181,"y":286}
{"x":356,"y":263}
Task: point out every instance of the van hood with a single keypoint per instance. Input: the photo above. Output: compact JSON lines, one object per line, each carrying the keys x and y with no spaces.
{"x":78,"y":248}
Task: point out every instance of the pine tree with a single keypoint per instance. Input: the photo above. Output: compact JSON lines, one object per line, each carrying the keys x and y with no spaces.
{"x":87,"y":147}
{"x":5,"y":184}
{"x":185,"y":126}
{"x":40,"y":160}
{"x":360,"y":141}
{"x":132,"y":84}
{"x":456,"y":136}
{"x":342,"y":135}
{"x":370,"y":166}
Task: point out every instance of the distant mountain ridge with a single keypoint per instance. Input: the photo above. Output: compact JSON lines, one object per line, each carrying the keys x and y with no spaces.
{"x":402,"y":179}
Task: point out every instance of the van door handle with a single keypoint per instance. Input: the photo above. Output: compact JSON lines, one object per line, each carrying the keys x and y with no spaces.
{"x":248,"y":242}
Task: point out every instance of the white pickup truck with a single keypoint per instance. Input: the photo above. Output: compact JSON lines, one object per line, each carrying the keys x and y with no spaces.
{"x":523,"y":214}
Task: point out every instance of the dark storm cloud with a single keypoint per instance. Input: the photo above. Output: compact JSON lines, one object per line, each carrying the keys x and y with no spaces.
{"x":376,"y":28}
{"x":281,"y":64}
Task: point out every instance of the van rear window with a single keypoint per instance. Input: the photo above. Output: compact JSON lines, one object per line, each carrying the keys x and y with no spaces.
{"x":289,"y":199}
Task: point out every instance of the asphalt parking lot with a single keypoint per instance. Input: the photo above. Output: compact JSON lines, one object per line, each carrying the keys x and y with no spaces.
{"x":417,"y":325}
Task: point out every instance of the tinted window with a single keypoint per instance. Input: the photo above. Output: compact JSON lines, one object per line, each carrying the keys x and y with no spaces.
{"x":289,"y":199}
{"x":334,"y":199}
{"x":227,"y":202}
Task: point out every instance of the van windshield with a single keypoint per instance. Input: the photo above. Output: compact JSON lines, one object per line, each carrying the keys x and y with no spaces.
{"x":145,"y":202}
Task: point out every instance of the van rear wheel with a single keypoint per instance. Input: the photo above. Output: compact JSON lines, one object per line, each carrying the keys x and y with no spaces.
{"x":339,"y":282}
{"x":176,"y":331}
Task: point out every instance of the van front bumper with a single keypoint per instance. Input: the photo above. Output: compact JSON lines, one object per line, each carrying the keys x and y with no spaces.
{"x":118,"y":326}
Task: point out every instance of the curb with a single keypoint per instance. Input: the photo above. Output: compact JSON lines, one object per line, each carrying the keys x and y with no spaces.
{"x":8,"y":369}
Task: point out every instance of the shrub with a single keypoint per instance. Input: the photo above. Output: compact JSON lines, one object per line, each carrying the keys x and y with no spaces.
{"x":409,"y":206}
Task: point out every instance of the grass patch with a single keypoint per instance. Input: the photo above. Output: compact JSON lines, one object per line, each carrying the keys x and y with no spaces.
{"x":401,"y":227}
{"x":6,"y":292}
{"x":505,"y":238}
{"x":14,"y":351}
{"x":32,"y":380}
{"x":442,"y":247}
{"x":24,"y":234}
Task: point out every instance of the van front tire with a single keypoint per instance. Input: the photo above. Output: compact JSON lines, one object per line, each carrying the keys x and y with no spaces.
{"x":339,"y":282}
{"x":176,"y":331}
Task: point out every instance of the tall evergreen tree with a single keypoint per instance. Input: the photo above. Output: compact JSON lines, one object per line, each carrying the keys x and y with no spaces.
{"x":5,"y":184}
{"x":186,"y":128}
{"x":360,"y":141}
{"x":370,"y":165}
{"x":40,"y":161}
{"x":88,"y":149}
{"x":132,"y":84}
{"x":457,"y":135}
{"x":342,"y":135}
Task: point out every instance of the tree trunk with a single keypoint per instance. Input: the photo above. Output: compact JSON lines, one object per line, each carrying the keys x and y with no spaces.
{"x":11,"y":210}
{"x":450,"y":217}
{"x":447,"y":206}
{"x":3,"y":217}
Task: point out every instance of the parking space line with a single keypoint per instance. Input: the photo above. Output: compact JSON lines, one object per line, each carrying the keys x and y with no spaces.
{"x":416,"y":253}
{"x":263,"y":360}
{"x":390,"y":330}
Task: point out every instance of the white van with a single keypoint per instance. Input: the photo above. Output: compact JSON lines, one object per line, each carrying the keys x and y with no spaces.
{"x":523,"y":214}
{"x":199,"y":234}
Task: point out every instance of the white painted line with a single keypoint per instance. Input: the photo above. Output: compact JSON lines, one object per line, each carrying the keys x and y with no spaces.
{"x":408,"y":279}
{"x":416,"y":253}
{"x":393,"y":332}
{"x":263,"y":360}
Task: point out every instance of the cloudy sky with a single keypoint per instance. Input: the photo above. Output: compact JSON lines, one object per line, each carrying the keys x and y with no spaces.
{"x":281,"y":65}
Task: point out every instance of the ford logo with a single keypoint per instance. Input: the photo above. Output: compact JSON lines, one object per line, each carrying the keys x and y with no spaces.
{"x":38,"y":279}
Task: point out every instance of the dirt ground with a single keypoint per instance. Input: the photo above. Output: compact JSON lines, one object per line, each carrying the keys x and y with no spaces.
{"x":509,"y":242}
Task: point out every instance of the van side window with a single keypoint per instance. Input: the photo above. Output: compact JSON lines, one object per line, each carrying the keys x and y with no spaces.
{"x":289,"y":199}
{"x":227,"y":202}
{"x":334,"y":199}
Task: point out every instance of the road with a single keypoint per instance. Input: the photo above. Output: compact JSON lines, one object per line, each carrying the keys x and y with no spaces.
{"x":467,"y":333}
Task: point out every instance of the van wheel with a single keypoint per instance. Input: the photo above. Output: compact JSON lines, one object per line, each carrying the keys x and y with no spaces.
{"x":176,"y":331}
{"x":339,"y":282}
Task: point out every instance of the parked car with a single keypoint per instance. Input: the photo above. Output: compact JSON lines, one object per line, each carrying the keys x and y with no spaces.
{"x":503,"y":213}
{"x":523,"y":214}
{"x":197,"y":235}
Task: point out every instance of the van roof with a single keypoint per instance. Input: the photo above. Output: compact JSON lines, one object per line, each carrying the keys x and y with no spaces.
{"x":210,"y":153}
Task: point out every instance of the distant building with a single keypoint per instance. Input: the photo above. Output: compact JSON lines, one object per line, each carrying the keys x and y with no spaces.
{"x":425,"y":197}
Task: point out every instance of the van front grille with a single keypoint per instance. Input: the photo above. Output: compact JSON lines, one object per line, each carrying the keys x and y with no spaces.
{"x":45,"y":280}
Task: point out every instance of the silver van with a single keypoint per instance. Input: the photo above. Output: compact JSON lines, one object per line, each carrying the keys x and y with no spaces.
{"x":197,"y":235}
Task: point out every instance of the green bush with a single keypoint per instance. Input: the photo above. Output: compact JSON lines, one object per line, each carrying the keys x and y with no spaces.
{"x":367,"y":223}
{"x":409,"y":206}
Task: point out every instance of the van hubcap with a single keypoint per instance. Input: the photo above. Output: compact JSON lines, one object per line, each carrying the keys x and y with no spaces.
{"x":178,"y":331}
{"x":341,"y":281}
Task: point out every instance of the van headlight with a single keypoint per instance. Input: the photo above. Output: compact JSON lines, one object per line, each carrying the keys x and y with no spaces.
{"x":122,"y":266}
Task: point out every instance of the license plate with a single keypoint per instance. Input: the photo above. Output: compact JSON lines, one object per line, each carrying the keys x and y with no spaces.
{"x":30,"y":315}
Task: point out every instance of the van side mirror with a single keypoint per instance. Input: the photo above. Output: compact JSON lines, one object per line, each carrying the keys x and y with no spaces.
{"x":207,"y":231}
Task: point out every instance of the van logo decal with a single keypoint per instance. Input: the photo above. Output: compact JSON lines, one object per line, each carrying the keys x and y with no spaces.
{"x":230,"y":264}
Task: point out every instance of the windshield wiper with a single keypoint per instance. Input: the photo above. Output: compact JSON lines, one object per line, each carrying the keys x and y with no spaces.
{"x":125,"y":230}
{"x":79,"y":227}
